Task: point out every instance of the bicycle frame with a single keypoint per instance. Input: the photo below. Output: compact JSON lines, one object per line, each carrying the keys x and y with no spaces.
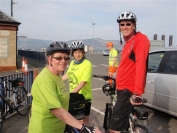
{"x":69,"y":128}
{"x":11,"y":102}
{"x":109,"y":107}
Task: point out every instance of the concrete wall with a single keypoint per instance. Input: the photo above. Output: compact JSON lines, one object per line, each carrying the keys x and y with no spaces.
{"x":156,"y":44}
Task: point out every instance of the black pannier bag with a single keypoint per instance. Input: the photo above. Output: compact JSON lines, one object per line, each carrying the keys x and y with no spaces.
{"x":141,"y":112}
{"x":77,"y":110}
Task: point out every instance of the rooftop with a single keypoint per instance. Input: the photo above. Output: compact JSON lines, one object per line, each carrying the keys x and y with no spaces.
{"x":5,"y":18}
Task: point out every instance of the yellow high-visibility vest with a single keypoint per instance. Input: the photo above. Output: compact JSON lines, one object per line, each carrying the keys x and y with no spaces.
{"x":113,"y":54}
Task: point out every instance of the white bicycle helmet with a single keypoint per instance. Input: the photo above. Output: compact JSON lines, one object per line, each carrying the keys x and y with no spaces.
{"x":127,"y":16}
{"x":77,"y":45}
{"x":57,"y":46}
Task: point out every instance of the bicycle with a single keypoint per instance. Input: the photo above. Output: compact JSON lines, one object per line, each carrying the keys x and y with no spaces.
{"x":76,"y":109}
{"x":139,"y":112}
{"x":18,"y":101}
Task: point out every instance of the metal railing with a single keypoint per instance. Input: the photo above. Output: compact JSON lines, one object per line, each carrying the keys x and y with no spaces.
{"x":28,"y":78}
{"x":36,"y":55}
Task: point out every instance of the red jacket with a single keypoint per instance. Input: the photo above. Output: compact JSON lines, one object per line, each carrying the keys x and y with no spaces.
{"x":131,"y":72}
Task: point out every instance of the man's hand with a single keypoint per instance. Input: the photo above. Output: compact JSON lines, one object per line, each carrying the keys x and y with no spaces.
{"x":136,"y":100}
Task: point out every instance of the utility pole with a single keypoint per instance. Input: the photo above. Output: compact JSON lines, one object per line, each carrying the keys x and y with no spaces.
{"x":93,"y":36}
{"x":12,"y":7}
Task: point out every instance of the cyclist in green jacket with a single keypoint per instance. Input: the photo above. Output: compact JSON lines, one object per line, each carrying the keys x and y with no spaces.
{"x":80,"y":74}
{"x":51,"y":98}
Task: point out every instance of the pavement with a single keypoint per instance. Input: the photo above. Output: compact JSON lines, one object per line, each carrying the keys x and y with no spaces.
{"x":16,"y":124}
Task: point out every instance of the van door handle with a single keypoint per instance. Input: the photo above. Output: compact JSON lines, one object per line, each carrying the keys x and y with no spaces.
{"x":151,"y":81}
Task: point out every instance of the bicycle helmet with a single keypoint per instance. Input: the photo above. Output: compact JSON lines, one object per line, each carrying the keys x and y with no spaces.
{"x":127,"y":16}
{"x":77,"y":45}
{"x":57,"y":46}
{"x":108,"y":89}
{"x":109,"y":44}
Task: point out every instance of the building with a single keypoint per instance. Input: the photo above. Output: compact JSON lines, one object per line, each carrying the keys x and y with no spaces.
{"x":8,"y":42}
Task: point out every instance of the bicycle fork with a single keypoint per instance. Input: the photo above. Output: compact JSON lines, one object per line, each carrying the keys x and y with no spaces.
{"x":132,"y":119}
{"x":106,"y":121}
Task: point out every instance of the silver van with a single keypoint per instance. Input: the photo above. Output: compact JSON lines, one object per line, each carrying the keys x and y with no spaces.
{"x":161,"y":81}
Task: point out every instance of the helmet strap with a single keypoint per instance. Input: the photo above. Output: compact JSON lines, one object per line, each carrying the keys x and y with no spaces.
{"x":120,"y":37}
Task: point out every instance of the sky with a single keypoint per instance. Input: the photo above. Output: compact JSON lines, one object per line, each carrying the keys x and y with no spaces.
{"x":64,"y":20}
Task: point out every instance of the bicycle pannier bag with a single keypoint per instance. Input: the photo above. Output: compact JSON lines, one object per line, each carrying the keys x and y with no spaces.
{"x":78,"y":111}
{"x":141,"y":112}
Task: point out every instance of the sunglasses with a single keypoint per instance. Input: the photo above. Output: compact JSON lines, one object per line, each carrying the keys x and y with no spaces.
{"x":60,"y":58}
{"x":127,"y":24}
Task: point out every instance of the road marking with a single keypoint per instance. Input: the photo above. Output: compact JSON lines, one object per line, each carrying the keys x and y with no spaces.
{"x":94,"y":66}
{"x":96,"y":89}
{"x":98,"y":78}
{"x":97,"y":110}
{"x":104,"y":65}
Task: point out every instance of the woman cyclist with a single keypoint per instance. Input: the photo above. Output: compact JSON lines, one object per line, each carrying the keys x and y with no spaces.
{"x":79,"y":74}
{"x":50,"y":96}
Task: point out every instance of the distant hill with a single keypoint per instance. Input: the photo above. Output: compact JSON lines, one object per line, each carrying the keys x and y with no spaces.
{"x":36,"y":44}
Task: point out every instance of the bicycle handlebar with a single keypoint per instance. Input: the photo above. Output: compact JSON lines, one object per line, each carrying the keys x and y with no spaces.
{"x":104,"y":77}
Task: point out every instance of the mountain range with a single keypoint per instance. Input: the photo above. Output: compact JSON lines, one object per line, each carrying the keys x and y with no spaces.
{"x":37,"y":44}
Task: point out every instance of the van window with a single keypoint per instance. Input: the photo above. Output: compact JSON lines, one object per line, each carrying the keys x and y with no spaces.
{"x":171,"y":66}
{"x":154,"y":61}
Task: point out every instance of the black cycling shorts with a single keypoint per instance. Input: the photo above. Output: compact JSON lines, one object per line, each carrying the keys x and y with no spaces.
{"x":121,"y":110}
{"x":87,"y":108}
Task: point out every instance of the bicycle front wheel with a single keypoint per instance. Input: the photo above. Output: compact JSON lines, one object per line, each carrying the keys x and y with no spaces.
{"x":140,"y":128}
{"x":22,"y":101}
{"x":107,"y":118}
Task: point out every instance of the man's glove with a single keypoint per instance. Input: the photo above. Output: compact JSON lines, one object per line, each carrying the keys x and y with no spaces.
{"x":138,"y":99}
{"x":87,"y":129}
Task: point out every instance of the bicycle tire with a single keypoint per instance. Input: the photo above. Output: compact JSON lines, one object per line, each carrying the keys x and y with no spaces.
{"x":22,"y":101}
{"x":107,"y":118}
{"x":141,"y":128}
{"x":1,"y":117}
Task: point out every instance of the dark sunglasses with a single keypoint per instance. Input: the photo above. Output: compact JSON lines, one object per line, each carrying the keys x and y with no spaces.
{"x":127,"y":24}
{"x":60,"y":58}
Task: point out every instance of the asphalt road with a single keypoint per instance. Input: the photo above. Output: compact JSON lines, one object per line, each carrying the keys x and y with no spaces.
{"x":158,"y":121}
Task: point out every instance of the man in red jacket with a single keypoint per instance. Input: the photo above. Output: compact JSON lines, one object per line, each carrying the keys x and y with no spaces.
{"x":131,"y":75}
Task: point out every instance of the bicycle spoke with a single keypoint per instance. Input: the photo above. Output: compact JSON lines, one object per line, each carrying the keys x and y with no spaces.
{"x":22,"y":101}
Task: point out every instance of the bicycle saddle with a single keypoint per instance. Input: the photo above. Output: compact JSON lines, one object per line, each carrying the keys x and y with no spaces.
{"x":16,"y":81}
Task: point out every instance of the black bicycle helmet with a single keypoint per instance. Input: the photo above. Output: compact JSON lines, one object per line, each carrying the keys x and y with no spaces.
{"x":77,"y":45}
{"x":126,"y":16}
{"x":57,"y":46}
{"x":108,"y":89}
